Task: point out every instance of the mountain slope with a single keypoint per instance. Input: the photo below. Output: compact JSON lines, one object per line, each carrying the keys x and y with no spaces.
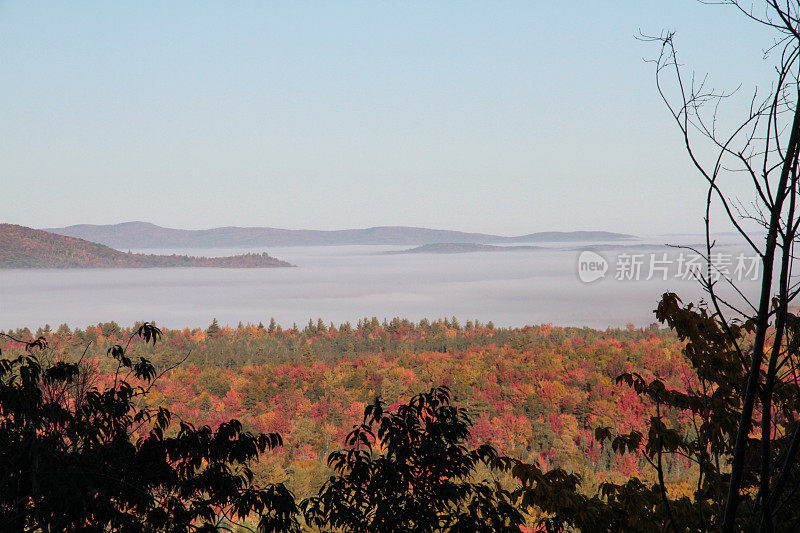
{"x":146,"y":235}
{"x":23,"y":247}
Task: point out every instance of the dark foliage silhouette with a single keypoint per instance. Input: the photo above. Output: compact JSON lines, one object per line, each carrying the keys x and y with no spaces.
{"x":410,"y":470}
{"x":76,"y":457}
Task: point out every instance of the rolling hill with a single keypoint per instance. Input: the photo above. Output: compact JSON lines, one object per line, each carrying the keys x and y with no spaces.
{"x":146,"y":235}
{"x":461,"y":248}
{"x":23,"y":247}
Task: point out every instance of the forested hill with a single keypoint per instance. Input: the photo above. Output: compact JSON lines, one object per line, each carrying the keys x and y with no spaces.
{"x":23,"y":247}
{"x":146,"y":235}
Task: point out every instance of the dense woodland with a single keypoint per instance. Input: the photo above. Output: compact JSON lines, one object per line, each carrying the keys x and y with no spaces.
{"x":535,"y":393}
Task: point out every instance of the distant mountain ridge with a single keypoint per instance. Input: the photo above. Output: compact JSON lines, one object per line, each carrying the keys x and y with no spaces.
{"x":147,"y":235}
{"x":23,"y":247}
{"x":462,"y":248}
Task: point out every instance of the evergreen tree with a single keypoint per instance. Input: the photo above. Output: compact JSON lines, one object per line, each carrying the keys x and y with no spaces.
{"x":213,"y":329}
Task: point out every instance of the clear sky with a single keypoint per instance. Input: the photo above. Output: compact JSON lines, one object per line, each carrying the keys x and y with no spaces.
{"x":504,"y":117}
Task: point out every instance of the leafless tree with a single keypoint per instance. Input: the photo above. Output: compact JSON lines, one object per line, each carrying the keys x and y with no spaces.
{"x":762,"y":148}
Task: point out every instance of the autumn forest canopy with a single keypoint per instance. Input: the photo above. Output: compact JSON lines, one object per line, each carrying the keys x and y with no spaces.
{"x":535,"y":394}
{"x":689,"y":424}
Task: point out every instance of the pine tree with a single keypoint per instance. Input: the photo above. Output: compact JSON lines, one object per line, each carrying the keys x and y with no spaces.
{"x":213,"y":329}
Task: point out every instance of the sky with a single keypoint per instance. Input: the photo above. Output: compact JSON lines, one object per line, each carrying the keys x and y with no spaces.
{"x":502,"y":117}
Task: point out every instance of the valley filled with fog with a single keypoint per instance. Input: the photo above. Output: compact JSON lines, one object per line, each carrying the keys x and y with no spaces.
{"x":345,"y":283}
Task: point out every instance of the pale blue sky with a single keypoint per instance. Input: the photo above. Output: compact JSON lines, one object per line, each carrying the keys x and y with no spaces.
{"x":505,"y":117}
